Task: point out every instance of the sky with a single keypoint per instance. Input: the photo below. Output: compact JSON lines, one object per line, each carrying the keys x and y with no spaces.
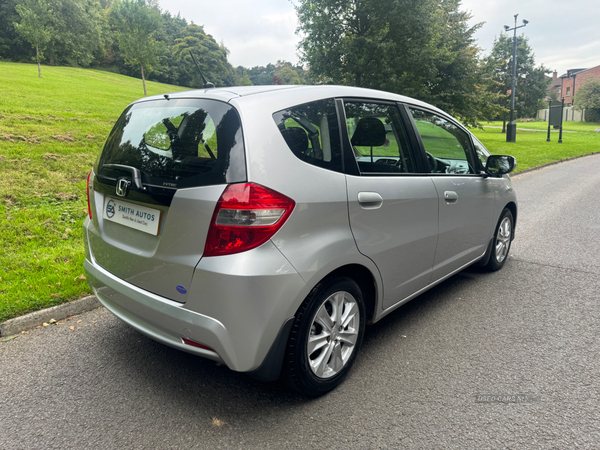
{"x":563,"y":34}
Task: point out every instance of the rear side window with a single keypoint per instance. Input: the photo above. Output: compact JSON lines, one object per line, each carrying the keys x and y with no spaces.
{"x":177,"y":144}
{"x":378,"y":138}
{"x":311,"y":132}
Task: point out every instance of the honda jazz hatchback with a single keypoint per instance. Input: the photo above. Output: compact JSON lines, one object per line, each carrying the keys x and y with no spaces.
{"x":264,"y":227}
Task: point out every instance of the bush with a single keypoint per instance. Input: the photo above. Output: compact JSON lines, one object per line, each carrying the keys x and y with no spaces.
{"x":592,"y":115}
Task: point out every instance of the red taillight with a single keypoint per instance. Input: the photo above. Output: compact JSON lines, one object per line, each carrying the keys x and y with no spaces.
{"x":88,"y":194}
{"x":246,"y":216}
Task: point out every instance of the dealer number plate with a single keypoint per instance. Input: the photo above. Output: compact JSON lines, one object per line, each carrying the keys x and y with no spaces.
{"x":133,"y":216}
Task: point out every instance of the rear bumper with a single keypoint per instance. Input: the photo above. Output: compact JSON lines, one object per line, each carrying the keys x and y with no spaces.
{"x":236,"y":309}
{"x":159,"y":318}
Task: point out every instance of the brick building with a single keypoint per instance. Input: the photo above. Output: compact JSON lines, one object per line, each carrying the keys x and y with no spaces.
{"x":573,"y":80}
{"x":554,"y":86}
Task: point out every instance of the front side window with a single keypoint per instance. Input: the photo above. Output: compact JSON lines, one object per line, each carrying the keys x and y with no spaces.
{"x":482,"y":152}
{"x":311,"y":132}
{"x":378,"y":138}
{"x":448,"y":148}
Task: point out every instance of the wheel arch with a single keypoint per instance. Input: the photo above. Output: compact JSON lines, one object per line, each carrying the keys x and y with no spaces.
{"x":365,"y":280}
{"x":512,"y":207}
{"x":270,"y":368}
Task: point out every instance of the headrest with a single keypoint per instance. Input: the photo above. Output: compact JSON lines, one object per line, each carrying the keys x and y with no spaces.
{"x":370,"y":132}
{"x":296,"y":139}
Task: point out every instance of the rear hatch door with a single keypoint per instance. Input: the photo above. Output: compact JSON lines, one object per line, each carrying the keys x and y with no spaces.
{"x":155,"y":186}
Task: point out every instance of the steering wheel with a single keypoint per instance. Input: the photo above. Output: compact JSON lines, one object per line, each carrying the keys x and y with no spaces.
{"x":432,"y":162}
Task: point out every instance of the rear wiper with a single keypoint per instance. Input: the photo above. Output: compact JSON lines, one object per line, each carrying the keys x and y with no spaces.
{"x":171,"y":130}
{"x":212,"y":156}
{"x":135,"y":174}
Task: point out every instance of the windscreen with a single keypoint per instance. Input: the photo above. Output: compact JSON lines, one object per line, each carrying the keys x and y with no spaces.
{"x":177,"y":143}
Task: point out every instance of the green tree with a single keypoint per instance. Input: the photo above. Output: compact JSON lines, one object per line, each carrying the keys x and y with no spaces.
{"x":244,"y":80}
{"x":212,"y":58}
{"x":260,"y":75}
{"x":171,"y":67}
{"x":588,"y":98}
{"x":80,"y":30}
{"x":135,"y":24}
{"x":12,"y":45}
{"x":457,"y":81}
{"x":421,"y":48}
{"x":35,"y":26}
{"x":531,"y":83}
{"x":288,"y":75}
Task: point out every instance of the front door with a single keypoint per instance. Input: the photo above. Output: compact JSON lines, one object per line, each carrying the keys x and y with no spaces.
{"x":466,"y":199}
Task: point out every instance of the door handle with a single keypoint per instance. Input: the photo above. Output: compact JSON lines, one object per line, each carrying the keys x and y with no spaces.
{"x":450,"y":196}
{"x":370,"y":200}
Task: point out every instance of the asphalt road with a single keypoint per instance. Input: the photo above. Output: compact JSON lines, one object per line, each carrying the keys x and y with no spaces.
{"x":527,"y":336}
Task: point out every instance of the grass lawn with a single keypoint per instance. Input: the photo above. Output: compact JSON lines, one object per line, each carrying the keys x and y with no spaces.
{"x":531,"y":148}
{"x":51,"y":130}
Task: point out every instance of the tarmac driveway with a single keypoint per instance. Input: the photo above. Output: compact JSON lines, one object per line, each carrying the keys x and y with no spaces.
{"x":502,"y":360}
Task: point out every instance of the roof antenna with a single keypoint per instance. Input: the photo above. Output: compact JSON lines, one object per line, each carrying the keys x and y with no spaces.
{"x":207,"y":84}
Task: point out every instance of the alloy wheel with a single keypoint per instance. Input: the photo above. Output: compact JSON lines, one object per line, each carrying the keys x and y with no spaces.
{"x":503,"y":239}
{"x":333,"y":334}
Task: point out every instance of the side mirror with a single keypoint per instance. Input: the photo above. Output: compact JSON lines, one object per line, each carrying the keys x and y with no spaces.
{"x":500,"y":164}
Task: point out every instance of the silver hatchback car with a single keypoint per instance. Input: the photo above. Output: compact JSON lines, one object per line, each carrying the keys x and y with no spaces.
{"x":264,"y":227}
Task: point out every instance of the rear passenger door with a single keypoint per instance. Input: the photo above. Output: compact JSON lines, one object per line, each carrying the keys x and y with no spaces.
{"x":466,"y":199}
{"x":393,"y":209}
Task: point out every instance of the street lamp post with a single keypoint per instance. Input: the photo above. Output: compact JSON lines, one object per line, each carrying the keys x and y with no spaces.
{"x":511,"y":129}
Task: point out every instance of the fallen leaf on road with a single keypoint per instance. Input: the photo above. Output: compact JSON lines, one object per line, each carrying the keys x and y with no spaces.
{"x":52,"y":320}
{"x":72,"y":328}
{"x":68,"y":318}
{"x":94,"y":321}
{"x":24,"y":332}
{"x":45,"y":324}
{"x":217,"y":423}
{"x":39,"y":326}
{"x":79,"y":321}
{"x":9,"y":338}
{"x":61,"y":323}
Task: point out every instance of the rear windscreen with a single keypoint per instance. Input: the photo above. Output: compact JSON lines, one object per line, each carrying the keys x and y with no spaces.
{"x":177,"y":143}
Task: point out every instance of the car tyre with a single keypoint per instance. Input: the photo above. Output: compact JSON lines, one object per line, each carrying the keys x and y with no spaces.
{"x":502,"y":240}
{"x":325,"y":338}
